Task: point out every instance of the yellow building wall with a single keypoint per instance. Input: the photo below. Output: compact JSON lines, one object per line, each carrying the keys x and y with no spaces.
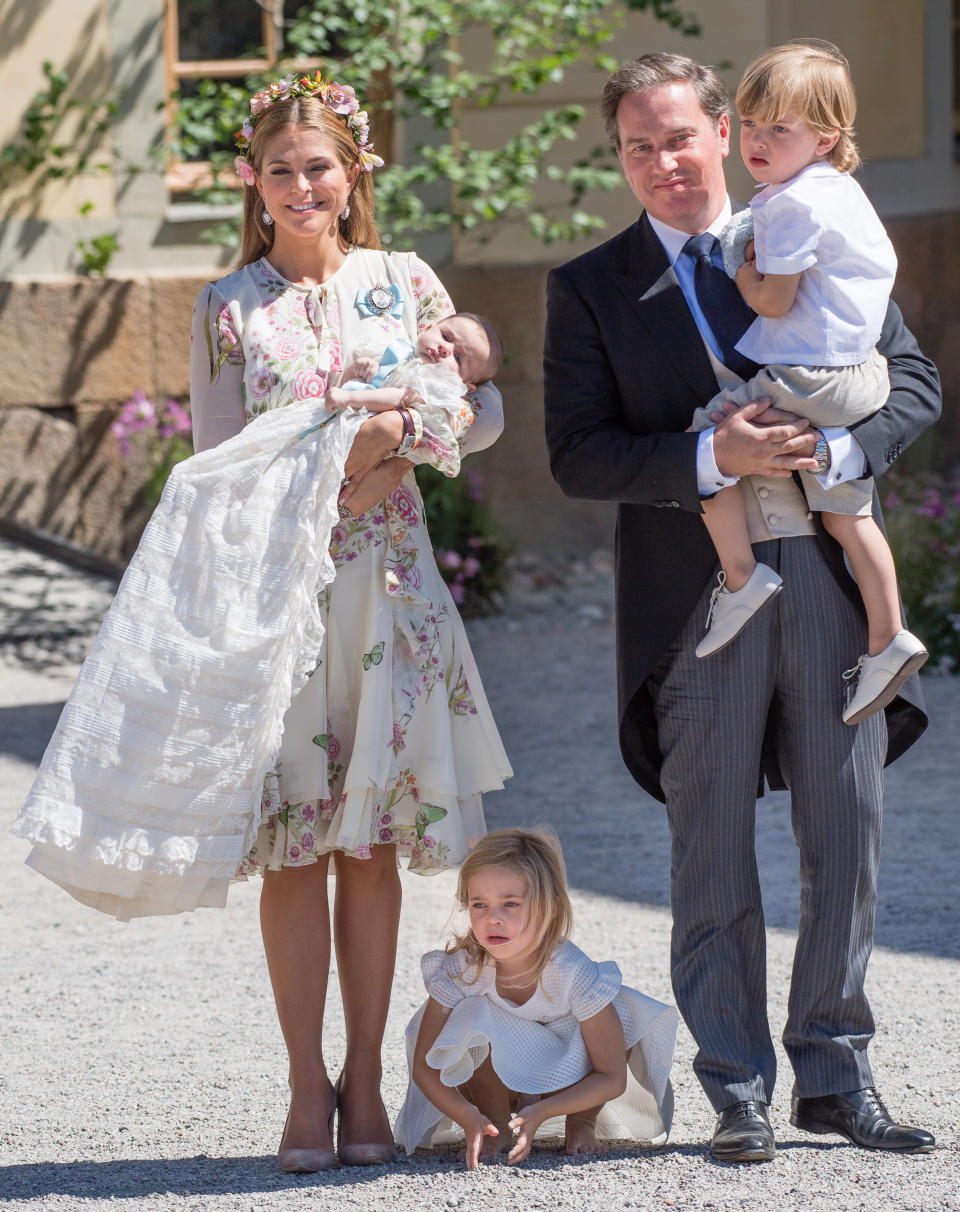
{"x":883,"y":39}
{"x":74,"y":35}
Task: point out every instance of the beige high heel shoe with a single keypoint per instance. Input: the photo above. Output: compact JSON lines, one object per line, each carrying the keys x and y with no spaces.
{"x":309,"y":1161}
{"x":372,"y":1154}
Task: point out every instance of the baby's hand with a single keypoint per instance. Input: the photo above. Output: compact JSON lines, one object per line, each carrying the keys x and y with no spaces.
{"x":525,"y":1123}
{"x":475,"y":1127}
{"x":336,"y":398}
{"x":361,"y":368}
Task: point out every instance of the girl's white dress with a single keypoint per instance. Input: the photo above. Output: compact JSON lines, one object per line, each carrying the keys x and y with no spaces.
{"x":537,"y":1047}
{"x":273,"y":682}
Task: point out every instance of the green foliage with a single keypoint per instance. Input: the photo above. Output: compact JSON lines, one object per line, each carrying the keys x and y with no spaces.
{"x":470,"y":552}
{"x":414,"y":66}
{"x":36,"y":149}
{"x":922,"y":514}
{"x":42,"y":152}
{"x":97,"y":252}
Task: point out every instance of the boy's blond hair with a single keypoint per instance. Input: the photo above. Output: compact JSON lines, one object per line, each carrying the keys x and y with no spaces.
{"x":810,"y":79}
{"x":535,"y":855}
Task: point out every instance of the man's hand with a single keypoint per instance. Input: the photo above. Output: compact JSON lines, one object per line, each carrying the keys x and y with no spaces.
{"x":745,"y":443}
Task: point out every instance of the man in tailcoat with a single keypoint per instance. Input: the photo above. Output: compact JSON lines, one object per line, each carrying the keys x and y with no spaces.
{"x":630,"y":354}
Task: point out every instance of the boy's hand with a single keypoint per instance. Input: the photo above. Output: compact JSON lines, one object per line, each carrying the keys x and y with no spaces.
{"x":525,"y":1123}
{"x":475,"y":1127}
{"x":361,"y":368}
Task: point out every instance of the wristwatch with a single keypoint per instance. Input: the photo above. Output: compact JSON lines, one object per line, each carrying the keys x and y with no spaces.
{"x":821,"y":452}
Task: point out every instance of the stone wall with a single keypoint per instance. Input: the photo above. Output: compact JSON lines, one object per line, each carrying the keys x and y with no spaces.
{"x":71,"y":351}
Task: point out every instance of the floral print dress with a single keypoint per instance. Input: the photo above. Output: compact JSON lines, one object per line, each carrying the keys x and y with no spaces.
{"x":391,"y":741}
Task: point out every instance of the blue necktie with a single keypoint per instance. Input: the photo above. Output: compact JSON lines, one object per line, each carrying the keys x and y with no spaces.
{"x":721,"y":303}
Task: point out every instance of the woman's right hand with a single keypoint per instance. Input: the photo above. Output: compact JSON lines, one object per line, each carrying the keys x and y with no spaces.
{"x":363,"y":492}
{"x":376,"y":438}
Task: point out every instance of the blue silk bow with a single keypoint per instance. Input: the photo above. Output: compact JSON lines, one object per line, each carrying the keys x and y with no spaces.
{"x":380,"y":300}
{"x":396,"y":352}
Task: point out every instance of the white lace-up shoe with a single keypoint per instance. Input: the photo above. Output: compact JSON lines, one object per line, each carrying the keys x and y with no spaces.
{"x":731,"y":610}
{"x":881,"y":676}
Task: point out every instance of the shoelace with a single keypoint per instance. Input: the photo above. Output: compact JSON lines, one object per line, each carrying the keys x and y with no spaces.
{"x":721,"y":581}
{"x":852,"y":673}
{"x":875,"y":1103}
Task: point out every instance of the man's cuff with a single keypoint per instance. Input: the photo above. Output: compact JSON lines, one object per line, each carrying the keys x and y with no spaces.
{"x":709,"y":477}
{"x":847,"y":460}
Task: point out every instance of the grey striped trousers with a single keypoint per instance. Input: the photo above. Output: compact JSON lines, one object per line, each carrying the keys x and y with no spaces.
{"x":711,"y":713}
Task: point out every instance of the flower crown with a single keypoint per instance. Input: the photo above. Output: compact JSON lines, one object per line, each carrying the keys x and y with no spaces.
{"x":337,"y":97}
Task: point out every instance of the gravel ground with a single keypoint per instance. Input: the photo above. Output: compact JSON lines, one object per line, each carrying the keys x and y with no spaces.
{"x":142,"y":1066}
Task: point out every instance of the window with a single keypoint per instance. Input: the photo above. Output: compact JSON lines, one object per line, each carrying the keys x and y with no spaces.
{"x":199,"y":43}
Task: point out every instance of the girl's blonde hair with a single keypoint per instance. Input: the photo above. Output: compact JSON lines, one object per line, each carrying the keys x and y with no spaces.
{"x":306,"y":113}
{"x":535,"y":855}
{"x":809,"y":78}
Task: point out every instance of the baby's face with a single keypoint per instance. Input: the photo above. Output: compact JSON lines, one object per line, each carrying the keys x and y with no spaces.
{"x":458,"y":343}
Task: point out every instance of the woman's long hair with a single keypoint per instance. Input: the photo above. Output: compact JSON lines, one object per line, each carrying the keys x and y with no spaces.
{"x":535,"y":855}
{"x":306,"y":113}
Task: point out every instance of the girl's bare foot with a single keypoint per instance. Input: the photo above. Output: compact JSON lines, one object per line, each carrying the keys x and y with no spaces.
{"x":580,"y":1135}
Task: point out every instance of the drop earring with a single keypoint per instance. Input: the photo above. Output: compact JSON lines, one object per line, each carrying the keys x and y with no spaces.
{"x":267,"y":217}
{"x":345,"y":213}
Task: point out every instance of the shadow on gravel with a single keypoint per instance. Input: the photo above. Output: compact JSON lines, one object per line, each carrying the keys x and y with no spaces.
{"x":26,"y":728}
{"x":552,"y":690}
{"x":138,"y":1178}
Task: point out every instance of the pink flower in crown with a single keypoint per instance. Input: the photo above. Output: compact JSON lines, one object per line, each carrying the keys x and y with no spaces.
{"x":359,"y":124}
{"x":368,"y":161}
{"x":242,"y":166}
{"x":308,"y":385}
{"x":341,"y":98}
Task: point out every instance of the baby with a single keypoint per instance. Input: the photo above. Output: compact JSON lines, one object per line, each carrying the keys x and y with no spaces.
{"x":452,"y":357}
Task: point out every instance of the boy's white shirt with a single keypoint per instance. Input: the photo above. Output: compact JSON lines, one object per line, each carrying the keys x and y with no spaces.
{"x":847,"y":460}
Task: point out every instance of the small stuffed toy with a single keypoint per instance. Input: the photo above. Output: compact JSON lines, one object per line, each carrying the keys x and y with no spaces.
{"x":734,"y":239}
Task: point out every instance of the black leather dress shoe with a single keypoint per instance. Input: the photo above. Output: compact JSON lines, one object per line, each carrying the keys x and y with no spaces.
{"x":861,"y":1117}
{"x":743,"y":1134}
